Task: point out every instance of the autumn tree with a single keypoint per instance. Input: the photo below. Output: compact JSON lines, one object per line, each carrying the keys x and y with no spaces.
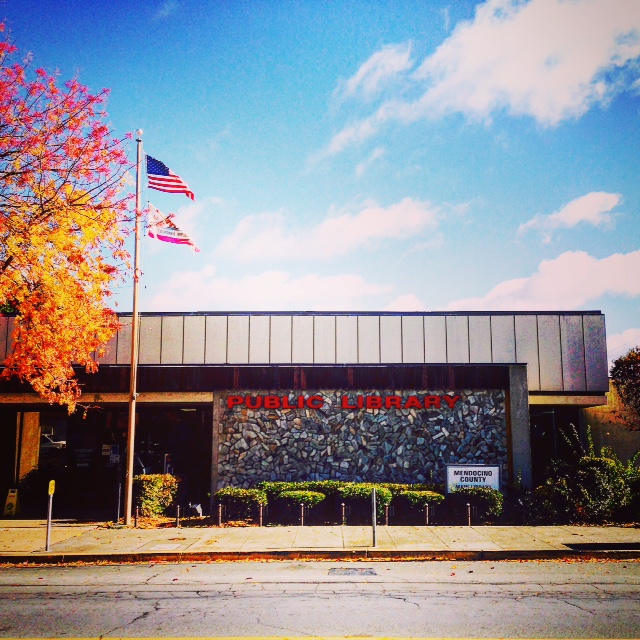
{"x":625,"y":375}
{"x":63,"y":212}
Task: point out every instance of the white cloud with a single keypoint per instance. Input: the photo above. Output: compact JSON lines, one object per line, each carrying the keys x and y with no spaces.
{"x":363,"y":166}
{"x":271,"y":236}
{"x":567,"y":282}
{"x":591,"y":208}
{"x":377,"y":72}
{"x":166,"y":9}
{"x":547,"y":59}
{"x":406,"y":302}
{"x":204,"y":290}
{"x":619,"y":343}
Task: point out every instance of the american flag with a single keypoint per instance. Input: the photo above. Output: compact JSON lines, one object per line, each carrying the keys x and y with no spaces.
{"x":163,"y":179}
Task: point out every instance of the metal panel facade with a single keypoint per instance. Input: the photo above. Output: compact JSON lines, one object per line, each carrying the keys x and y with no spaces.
{"x":259,"y":339}
{"x":390,"y":339}
{"x":479,"y":339}
{"x":302,"y":340}
{"x":194,"y":339}
{"x":457,"y":339}
{"x":368,"y":339}
{"x":347,"y":339}
{"x":150,"y":339}
{"x":550,"y":353}
{"x":412,"y":339}
{"x":4,"y":338}
{"x":324,"y":339}
{"x":124,"y":341}
{"x":435,"y":339}
{"x":281,"y":339}
{"x":563,"y":352}
{"x":216,"y":340}
{"x":172,"y":339}
{"x":110,"y":351}
{"x":238,"y":340}
{"x":572,"y":341}
{"x":527,"y":348}
{"x":595,"y":352}
{"x":503,"y":339}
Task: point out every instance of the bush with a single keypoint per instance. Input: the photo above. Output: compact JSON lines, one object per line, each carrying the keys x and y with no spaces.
{"x":358,"y":497}
{"x":421,"y":498}
{"x":326,"y":487}
{"x":487,"y":501}
{"x":307,"y":498}
{"x":595,"y":490}
{"x":396,"y":488}
{"x":241,"y":504}
{"x":155,"y":493}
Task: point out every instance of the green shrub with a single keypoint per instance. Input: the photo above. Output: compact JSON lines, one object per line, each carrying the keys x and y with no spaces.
{"x":488,"y":501}
{"x":307,"y":498}
{"x":155,"y":493}
{"x":396,"y":488}
{"x":594,"y":490}
{"x":421,"y":498}
{"x":241,"y":504}
{"x":363,"y":491}
{"x":274,"y":489}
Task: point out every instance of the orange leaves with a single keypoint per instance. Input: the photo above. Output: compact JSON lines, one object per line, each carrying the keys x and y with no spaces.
{"x":63,"y":215}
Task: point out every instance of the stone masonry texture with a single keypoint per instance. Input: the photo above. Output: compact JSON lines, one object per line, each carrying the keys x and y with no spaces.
{"x":363,"y":445}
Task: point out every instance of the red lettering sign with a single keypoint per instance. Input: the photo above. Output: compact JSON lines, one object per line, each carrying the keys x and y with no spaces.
{"x":315,"y":402}
{"x":393,"y":401}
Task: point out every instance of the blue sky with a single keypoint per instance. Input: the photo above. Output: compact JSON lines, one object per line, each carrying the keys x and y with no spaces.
{"x":383,"y":155}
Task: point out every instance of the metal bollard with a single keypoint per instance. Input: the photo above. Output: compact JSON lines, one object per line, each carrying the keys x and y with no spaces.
{"x":374,"y":517}
{"x":220,"y":515}
{"x":386,"y":515}
{"x":119,"y":501}
{"x":469,"y":513}
{"x":426,"y":514}
{"x":178,"y":515}
{"x":135,"y":520}
{"x":302,"y":515}
{"x":260,"y":514}
{"x":344,"y":515}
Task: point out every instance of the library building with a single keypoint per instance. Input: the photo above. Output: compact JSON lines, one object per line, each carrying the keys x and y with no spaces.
{"x":231,"y":399}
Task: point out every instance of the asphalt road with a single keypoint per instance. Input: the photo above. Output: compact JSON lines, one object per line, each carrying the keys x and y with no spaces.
{"x":418,"y":599}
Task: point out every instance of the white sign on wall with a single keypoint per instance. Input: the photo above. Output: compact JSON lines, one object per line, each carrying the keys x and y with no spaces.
{"x":472,"y":475}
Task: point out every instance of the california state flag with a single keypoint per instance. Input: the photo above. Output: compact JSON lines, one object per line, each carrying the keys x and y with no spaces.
{"x":163,"y":228}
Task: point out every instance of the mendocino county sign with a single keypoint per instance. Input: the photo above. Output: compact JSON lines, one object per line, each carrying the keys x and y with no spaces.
{"x":359,"y":401}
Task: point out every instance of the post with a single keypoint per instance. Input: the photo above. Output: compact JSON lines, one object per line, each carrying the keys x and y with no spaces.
{"x":118,"y":500}
{"x":131,"y":433}
{"x":374,"y":515}
{"x":52,"y":486}
{"x":386,"y":515}
{"x":135,"y":522}
{"x":469,"y":514}
{"x":260,"y":515}
{"x":302,"y":514}
{"x":220,"y":514}
{"x":426,"y":513}
{"x":344,"y":515}
{"x":178,"y":516}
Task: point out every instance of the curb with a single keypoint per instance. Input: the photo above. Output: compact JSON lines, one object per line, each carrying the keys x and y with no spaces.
{"x":362,"y":555}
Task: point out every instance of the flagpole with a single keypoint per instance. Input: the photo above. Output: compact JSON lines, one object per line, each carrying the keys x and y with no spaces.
{"x":131,"y":434}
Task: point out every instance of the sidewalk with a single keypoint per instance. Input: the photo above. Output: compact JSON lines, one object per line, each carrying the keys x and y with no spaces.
{"x":25,"y":541}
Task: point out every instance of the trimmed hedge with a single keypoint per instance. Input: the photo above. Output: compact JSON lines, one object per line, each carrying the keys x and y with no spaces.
{"x":155,"y":493}
{"x":488,"y":502}
{"x":421,"y":498}
{"x":241,"y":504}
{"x":307,"y":498}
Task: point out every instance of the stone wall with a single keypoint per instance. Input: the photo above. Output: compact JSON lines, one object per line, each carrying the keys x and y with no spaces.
{"x":384,"y":445}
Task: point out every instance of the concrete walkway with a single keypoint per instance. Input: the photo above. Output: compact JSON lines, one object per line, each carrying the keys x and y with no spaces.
{"x":25,"y":541}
